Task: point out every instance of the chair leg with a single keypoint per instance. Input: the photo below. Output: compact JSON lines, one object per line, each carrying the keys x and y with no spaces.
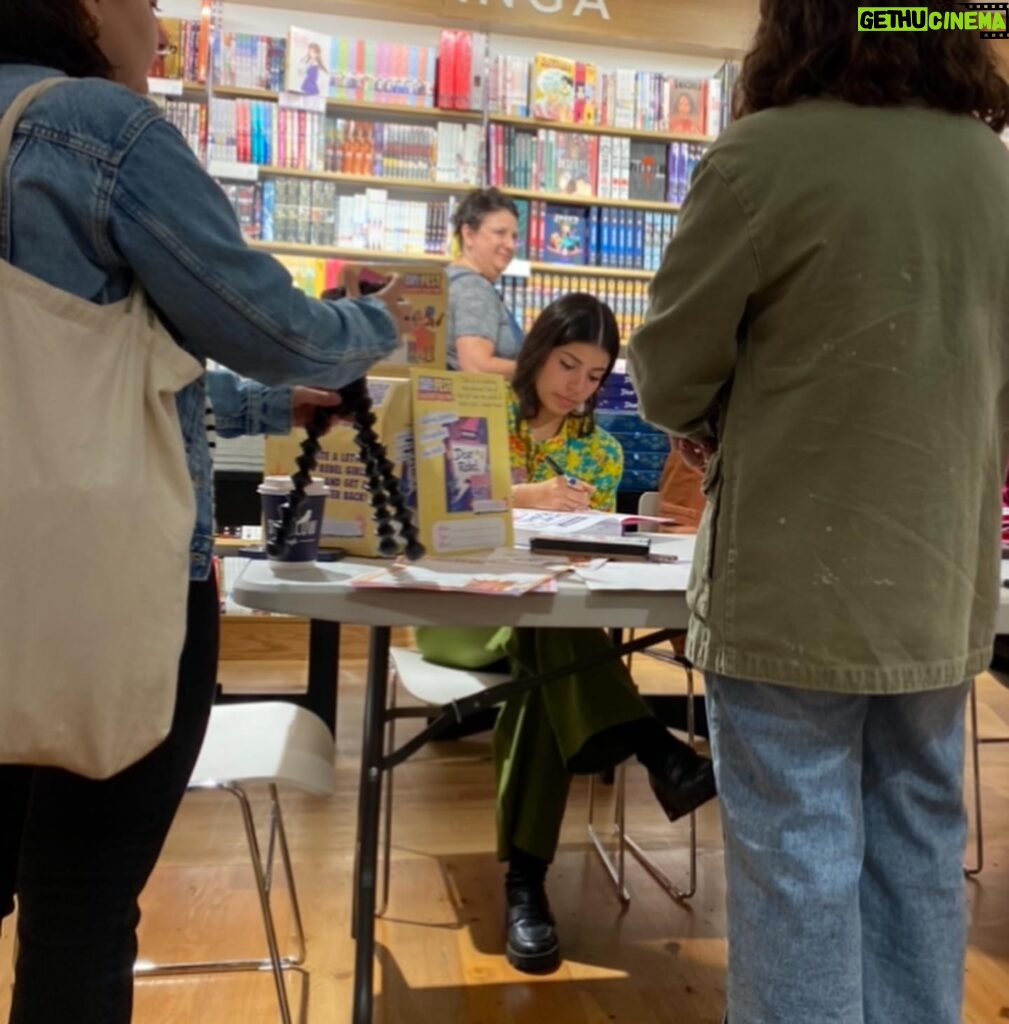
{"x":626,"y":842}
{"x":970,"y":872}
{"x":274,"y":962}
{"x":667,"y":884}
{"x":386,"y":848}
{"x":264,"y":903}
{"x":614,"y":868}
{"x":285,"y":858}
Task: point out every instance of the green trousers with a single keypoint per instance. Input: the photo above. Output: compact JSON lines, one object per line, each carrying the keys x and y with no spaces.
{"x":574,"y":725}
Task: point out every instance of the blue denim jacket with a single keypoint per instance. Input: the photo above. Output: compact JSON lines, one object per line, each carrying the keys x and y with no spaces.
{"x":99,"y":188}
{"x":247,"y":407}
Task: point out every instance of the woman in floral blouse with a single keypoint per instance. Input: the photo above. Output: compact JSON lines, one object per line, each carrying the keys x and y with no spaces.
{"x":578,"y":724}
{"x":551,"y":428}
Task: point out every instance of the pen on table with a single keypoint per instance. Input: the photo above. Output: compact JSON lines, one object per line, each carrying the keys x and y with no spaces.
{"x":573,"y":481}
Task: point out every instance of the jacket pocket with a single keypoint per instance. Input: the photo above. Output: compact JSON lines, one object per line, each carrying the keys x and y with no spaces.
{"x":699,"y":589}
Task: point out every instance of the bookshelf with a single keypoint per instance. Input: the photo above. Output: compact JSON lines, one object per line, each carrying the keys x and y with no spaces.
{"x":580,"y":270}
{"x":563,"y":197}
{"x":377,"y":159}
{"x":639,"y":134}
{"x":375,"y":181}
{"x":361,"y":107}
{"x":336,"y":252}
{"x":325,"y":252}
{"x":175,"y":87}
{"x":487,"y":87}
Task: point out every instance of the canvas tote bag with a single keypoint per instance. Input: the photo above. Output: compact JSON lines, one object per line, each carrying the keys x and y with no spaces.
{"x":96,"y":514}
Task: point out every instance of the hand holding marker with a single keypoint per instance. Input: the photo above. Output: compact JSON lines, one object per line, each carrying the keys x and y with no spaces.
{"x":572,"y":481}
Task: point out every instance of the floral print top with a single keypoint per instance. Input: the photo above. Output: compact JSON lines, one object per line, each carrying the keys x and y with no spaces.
{"x":597,"y":459}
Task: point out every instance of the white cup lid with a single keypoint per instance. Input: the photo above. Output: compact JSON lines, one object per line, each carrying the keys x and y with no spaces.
{"x":284,"y":485}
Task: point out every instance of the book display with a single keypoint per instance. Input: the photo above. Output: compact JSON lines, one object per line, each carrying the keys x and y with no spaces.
{"x":377,"y":127}
{"x":343,"y":139}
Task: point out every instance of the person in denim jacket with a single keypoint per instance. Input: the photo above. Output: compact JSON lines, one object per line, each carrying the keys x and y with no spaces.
{"x":101,"y":192}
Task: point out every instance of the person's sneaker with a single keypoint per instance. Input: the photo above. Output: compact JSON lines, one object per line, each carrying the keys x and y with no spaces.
{"x":531,"y":944}
{"x":688,"y":782}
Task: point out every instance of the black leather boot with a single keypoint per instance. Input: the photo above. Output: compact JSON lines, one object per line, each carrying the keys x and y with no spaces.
{"x":532,"y":944}
{"x":686,"y":781}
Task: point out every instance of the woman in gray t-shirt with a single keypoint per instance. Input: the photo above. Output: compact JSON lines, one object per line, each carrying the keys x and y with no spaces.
{"x":483,"y":336}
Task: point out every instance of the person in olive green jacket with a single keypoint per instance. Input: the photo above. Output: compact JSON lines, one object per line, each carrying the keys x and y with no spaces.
{"x":836,"y":302}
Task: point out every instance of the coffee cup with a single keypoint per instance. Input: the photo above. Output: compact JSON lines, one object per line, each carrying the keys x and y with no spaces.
{"x":275,"y":492}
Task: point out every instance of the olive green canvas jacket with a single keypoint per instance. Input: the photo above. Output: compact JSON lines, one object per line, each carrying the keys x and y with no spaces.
{"x":834,"y":309}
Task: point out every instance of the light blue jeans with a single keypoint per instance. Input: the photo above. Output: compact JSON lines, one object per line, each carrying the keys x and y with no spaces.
{"x":844,"y":831}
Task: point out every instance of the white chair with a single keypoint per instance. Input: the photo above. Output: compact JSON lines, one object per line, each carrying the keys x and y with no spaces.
{"x":273,"y":743}
{"x":976,"y":742}
{"x":648,"y":503}
{"x":435,"y":686}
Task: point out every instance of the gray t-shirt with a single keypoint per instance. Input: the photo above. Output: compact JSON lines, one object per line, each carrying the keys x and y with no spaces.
{"x":475,"y":308}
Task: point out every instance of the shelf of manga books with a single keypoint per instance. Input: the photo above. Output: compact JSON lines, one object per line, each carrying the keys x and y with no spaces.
{"x":287,"y":137}
{"x":645,"y":135}
{"x":357,"y":254}
{"x":588,"y":199}
{"x":345,"y":144}
{"x":586,"y":270}
{"x":566,"y":238}
{"x":362,"y":107}
{"x":335,"y":252}
{"x":418,"y":184}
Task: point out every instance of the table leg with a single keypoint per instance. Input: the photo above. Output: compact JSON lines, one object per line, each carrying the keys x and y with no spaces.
{"x":368,"y":822}
{"x":323,"y":670}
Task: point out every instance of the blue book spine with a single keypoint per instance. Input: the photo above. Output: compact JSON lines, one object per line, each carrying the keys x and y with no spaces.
{"x":591,"y":241}
{"x":682,"y":180}
{"x":606,"y":237}
{"x":269,"y":205}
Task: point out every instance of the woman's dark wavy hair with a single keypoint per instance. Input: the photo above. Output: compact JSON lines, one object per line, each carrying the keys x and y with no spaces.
{"x":54,"y":33}
{"x":573,"y":317}
{"x":808,"y":48}
{"x":478,"y":204}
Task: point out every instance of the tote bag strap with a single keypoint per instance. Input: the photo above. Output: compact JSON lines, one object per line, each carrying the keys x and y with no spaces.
{"x":17,"y":108}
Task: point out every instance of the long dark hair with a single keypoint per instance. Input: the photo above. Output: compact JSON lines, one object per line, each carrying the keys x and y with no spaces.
{"x":478,"y":204}
{"x":808,"y":48}
{"x":54,"y":33}
{"x":576,"y":316}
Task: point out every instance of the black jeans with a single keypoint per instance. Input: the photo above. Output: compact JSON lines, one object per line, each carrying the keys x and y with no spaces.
{"x":78,"y":853}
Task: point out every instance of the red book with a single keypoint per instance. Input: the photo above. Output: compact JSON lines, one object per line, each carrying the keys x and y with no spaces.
{"x":463,"y":69}
{"x":445,"y":86}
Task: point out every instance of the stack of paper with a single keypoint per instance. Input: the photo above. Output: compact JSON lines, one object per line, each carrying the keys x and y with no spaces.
{"x":506,"y":578}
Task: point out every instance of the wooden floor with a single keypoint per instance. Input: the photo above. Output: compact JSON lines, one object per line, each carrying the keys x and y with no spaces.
{"x":441,"y":953}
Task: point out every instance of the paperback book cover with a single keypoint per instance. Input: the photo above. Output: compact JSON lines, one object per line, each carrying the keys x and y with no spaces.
{"x":687,"y":106}
{"x":565,"y":233}
{"x":168,"y":64}
{"x":460,"y":429}
{"x":553,"y":88}
{"x":648,"y":170}
{"x":425,"y":290}
{"x":575,"y":164}
{"x":308,"y":57}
